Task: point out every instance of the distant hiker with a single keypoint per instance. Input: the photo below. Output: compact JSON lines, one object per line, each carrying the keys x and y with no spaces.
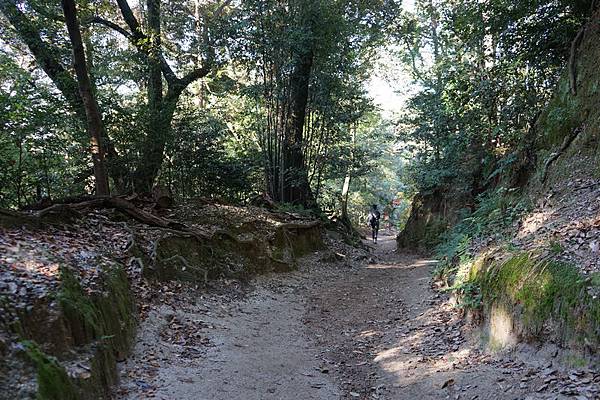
{"x":373,"y":220}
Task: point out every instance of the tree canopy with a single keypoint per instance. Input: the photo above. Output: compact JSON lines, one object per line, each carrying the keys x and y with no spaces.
{"x":233,"y":99}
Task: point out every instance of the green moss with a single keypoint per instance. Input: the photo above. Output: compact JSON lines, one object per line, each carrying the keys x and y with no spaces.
{"x":80,"y":312}
{"x":53,"y":381}
{"x":105,"y":318}
{"x":109,"y":314}
{"x":561,"y":116}
{"x":540,"y":292}
{"x":116,"y":309}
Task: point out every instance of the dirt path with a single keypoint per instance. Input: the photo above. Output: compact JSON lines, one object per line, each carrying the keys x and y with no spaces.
{"x":349,"y":329}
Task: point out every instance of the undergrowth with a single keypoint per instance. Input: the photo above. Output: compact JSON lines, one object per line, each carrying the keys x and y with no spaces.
{"x":496,"y":212}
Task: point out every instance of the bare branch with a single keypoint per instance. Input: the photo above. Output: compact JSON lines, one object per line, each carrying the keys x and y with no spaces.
{"x":101,"y":21}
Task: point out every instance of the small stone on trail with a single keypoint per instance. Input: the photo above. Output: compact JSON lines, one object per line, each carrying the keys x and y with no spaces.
{"x":448,"y":383}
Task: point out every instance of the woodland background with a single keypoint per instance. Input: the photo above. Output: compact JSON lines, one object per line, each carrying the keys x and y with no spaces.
{"x":232,"y":99}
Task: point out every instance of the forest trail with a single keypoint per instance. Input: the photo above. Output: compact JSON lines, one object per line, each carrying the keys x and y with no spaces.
{"x":373,"y":329}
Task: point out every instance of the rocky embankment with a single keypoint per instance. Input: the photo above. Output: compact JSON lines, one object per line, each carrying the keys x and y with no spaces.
{"x":74,"y":280}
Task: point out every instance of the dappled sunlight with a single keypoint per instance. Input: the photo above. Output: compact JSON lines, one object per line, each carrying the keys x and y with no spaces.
{"x":417,"y":264}
{"x":19,"y":261}
{"x":415,"y":338}
{"x":396,"y":360}
{"x":534,"y":221}
{"x":33,"y":265}
{"x":368,"y":333}
{"x":411,"y":367}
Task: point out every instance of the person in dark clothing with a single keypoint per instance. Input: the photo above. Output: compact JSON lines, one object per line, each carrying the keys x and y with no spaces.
{"x":373,"y":219}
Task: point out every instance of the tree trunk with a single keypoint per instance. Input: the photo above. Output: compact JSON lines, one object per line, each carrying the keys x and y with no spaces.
{"x":94,"y":120}
{"x":345,"y":192}
{"x":158,"y":122}
{"x":296,"y":189}
{"x":295,"y":186}
{"x":45,"y":56}
{"x":347,"y":180}
{"x":158,"y":131}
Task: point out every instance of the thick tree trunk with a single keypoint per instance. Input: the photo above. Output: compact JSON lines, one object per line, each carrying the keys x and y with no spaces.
{"x":295,"y":188}
{"x":158,"y":131}
{"x":159,"y":121}
{"x":94,"y":120}
{"x":347,"y":180}
{"x":295,"y":185}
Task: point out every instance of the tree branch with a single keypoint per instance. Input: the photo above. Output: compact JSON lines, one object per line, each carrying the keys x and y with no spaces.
{"x":138,"y":37}
{"x":101,"y":21}
{"x":131,"y":21}
{"x":44,"y":55}
{"x":197,"y":73}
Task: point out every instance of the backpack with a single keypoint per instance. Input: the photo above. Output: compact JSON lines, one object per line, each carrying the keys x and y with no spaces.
{"x":374,"y":218}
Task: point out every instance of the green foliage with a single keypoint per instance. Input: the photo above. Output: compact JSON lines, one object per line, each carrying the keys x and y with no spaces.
{"x":204,"y":161}
{"x":40,"y":152}
{"x":493,"y":216}
{"x":469,"y":294}
{"x":491,"y":66}
{"x":217,"y":142}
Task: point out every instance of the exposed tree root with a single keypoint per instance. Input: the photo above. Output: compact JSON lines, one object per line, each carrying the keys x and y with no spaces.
{"x":573,"y":60}
{"x":554,"y":156}
{"x":68,"y":210}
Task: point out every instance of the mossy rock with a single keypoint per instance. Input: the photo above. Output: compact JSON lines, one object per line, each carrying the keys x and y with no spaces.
{"x":52,"y":379}
{"x":91,"y":329}
{"x":544,"y":298}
